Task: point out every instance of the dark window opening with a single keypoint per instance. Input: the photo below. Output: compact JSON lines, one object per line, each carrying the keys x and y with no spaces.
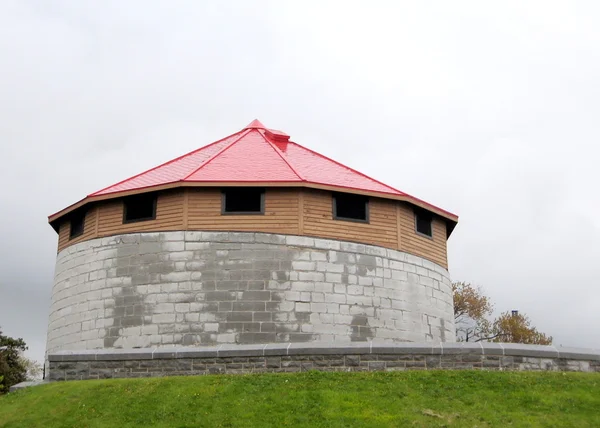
{"x":350,"y":207}
{"x":423,"y":221}
{"x":243,"y":200}
{"x":139,"y":207}
{"x":77,"y":224}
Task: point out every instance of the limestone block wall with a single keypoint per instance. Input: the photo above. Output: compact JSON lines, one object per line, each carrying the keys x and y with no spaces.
{"x":205,"y":288}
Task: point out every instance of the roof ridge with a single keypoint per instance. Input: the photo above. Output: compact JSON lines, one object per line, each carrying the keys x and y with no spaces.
{"x":243,"y":132}
{"x":281,"y":156}
{"x":348,"y":168}
{"x":165,"y":163}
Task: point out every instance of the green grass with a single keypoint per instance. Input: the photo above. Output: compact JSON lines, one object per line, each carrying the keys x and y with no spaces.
{"x":314,"y":399}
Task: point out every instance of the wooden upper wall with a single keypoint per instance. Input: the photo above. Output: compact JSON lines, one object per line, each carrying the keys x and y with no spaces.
{"x":287,"y":211}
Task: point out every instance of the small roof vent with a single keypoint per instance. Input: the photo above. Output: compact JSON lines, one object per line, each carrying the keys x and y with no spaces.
{"x":277,"y":136}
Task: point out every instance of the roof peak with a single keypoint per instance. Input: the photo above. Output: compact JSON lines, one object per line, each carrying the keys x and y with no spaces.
{"x":255,"y":124}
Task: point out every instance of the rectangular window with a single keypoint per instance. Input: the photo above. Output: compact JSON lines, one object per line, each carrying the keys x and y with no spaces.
{"x":77,"y":224}
{"x":139,"y":207}
{"x":243,"y":200}
{"x":350,"y":207}
{"x":423,"y":221}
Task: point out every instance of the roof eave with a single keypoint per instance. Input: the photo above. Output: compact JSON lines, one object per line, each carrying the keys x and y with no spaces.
{"x":452,"y":219}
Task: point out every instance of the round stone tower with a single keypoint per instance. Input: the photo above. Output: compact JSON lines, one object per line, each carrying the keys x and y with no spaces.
{"x":252,"y":239}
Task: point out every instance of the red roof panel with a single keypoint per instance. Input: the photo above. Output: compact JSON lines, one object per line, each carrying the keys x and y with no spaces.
{"x":250,"y":159}
{"x":253,"y":155}
{"x":315,"y":168}
{"x":174,"y":170}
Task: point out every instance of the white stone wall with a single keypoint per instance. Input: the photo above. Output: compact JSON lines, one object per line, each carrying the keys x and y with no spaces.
{"x":205,"y":288}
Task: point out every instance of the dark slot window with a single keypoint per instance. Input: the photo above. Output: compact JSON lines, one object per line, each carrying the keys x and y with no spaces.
{"x":423,"y":221}
{"x":350,"y":207}
{"x":139,"y":207}
{"x":243,"y":200}
{"x":77,"y":224}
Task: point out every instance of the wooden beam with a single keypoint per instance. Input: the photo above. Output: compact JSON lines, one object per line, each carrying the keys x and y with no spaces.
{"x":300,"y":212}
{"x":185,"y":208}
{"x":399,"y":226}
{"x":97,"y":221}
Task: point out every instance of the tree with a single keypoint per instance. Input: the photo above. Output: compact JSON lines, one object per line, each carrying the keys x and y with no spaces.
{"x":12,"y":370}
{"x":33,"y":368}
{"x":471,"y":311}
{"x":516,"y":328}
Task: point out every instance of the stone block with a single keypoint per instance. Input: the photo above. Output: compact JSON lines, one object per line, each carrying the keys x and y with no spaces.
{"x":317,"y":348}
{"x":530,"y":350}
{"x":299,"y":241}
{"x":219,"y":296}
{"x":355,"y":289}
{"x":163,"y":318}
{"x":256,"y":295}
{"x":318,"y":307}
{"x":266,"y":238}
{"x":460,"y":348}
{"x":492,"y":348}
{"x":327,"y":244}
{"x":352,"y":247}
{"x":414,"y":260}
{"x":257,"y":337}
{"x":403,"y":348}
{"x":266,"y":265}
{"x":239,"y":316}
{"x":248,"y":306}
{"x":124,"y":354}
{"x":302,"y":286}
{"x":302,"y":307}
{"x":311,"y":276}
{"x":314,"y":297}
{"x":272,"y":349}
{"x":161,"y":308}
{"x":211,"y":327}
{"x":303,"y":265}
{"x":318,"y":256}
{"x":579,"y":353}
{"x":240,"y":350}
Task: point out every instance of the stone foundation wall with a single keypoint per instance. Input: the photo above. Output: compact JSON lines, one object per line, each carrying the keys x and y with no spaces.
{"x":326,"y":357}
{"x":147,"y":290}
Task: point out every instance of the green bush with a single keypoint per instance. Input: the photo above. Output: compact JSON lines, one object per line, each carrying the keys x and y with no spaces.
{"x":12,"y":370}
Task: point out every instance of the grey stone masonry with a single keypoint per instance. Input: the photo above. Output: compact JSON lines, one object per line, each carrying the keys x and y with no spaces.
{"x":149,"y":290}
{"x":295,"y":357}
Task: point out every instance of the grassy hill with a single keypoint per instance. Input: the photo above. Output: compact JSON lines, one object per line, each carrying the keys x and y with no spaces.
{"x":313,"y":399}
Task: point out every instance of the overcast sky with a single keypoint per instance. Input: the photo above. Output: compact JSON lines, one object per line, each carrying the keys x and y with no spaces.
{"x":491,"y":112}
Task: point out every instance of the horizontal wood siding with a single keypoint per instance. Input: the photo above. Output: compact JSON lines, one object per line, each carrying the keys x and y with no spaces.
{"x":434,"y":248}
{"x":287,"y":211}
{"x":89,"y":230}
{"x":381,"y":229}
{"x":169,"y":216}
{"x":63,"y":235}
{"x":281,"y":212}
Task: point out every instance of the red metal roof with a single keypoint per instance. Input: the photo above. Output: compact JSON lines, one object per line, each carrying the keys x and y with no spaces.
{"x":255,"y":155}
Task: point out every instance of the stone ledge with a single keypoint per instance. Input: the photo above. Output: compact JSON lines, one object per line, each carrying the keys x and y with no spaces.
{"x":364,"y":361}
{"x":360,"y":348}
